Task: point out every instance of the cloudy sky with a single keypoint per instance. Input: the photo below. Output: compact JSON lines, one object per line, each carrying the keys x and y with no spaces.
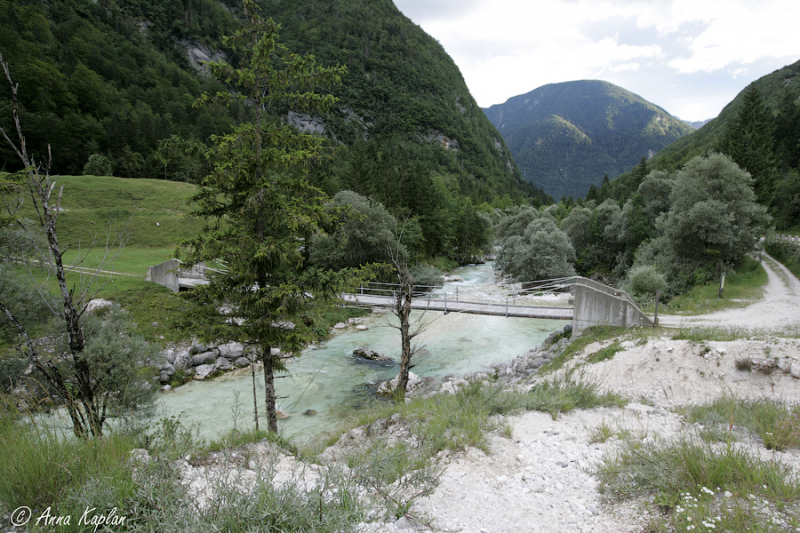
{"x":690,"y":57}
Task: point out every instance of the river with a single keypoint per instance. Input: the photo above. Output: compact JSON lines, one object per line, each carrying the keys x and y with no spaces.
{"x":326,"y":380}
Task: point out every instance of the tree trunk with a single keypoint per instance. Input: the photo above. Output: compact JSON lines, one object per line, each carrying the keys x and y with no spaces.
{"x":269,"y":389}
{"x":403,"y":304}
{"x":255,"y":398}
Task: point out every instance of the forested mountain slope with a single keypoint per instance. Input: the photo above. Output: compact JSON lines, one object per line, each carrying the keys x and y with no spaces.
{"x":772,"y":88}
{"x":760,"y":130}
{"x":118,"y":78}
{"x":567,"y":136}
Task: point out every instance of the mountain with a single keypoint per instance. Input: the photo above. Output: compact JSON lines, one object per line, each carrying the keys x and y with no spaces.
{"x":772,"y":88}
{"x":567,"y":136}
{"x":778,"y":89}
{"x":697,"y":124}
{"x":117,"y":78}
{"x":401,"y":86}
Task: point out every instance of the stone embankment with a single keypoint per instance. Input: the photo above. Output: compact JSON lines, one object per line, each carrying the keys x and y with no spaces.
{"x":202,"y":361}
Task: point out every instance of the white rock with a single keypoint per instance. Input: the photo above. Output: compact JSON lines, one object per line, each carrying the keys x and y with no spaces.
{"x":795,"y":370}
{"x":386,"y":388}
{"x":340,"y":325}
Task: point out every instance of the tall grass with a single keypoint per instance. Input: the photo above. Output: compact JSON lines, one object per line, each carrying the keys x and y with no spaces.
{"x":41,"y":468}
{"x":776,"y":423}
{"x":700,"y":484}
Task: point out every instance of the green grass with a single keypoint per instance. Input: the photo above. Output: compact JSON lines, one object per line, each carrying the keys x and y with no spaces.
{"x":742,"y":288}
{"x":605,"y":353}
{"x":777,"y":424}
{"x":699,"y":484}
{"x":41,"y":468}
{"x":587,"y":337}
{"x":93,"y":204}
{"x":458,"y":421}
{"x":129,"y":260}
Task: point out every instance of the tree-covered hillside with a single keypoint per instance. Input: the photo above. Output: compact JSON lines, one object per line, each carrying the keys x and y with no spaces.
{"x":759,"y":130}
{"x":118,"y":79}
{"x":401,"y":88}
{"x":568,"y":136}
{"x":772,"y":88}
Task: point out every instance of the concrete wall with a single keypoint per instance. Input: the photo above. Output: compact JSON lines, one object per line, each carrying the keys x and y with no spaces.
{"x":600,"y":305}
{"x":165,"y":274}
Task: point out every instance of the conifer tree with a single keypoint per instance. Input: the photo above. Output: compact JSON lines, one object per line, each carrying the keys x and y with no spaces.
{"x":748,"y":140}
{"x":259,"y":207}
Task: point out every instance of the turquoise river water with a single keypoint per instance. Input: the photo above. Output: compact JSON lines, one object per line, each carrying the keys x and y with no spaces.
{"x":325,"y":379}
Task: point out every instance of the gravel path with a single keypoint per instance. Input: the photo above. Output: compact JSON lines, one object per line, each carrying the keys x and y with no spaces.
{"x":777,"y":311}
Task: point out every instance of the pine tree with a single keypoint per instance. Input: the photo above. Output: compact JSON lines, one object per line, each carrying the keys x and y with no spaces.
{"x":748,"y":140}
{"x":260,"y":209}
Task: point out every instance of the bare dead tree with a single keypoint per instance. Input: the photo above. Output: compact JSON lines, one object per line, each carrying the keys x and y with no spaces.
{"x":401,"y":308}
{"x":86,"y":410}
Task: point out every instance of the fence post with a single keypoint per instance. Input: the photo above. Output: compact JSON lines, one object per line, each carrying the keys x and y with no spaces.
{"x":721,"y":283}
{"x":445,"y":303}
{"x":456,"y":293}
{"x":658,"y":297}
{"x":506,"y":307}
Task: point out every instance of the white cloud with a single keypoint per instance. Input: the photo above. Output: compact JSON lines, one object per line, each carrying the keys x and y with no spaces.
{"x":509,"y":47}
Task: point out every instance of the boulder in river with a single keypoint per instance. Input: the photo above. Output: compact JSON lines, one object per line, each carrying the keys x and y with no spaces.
{"x":364,"y":354}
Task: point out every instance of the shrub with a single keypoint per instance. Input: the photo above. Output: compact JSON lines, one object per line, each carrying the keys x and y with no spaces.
{"x":644,"y":281}
{"x":98,"y":165}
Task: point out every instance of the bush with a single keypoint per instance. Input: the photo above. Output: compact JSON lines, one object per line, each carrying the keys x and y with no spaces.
{"x":98,"y":165}
{"x":643,"y":282}
{"x":426,"y":275}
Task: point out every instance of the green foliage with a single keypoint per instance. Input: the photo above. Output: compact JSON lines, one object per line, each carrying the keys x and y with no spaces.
{"x":363,"y":232}
{"x":580,"y":131}
{"x":712,"y":222}
{"x":643,"y":282}
{"x":566,"y":394}
{"x":714,"y":216}
{"x":18,"y":293}
{"x":426,"y":275}
{"x":96,"y":80}
{"x":259,"y":208}
{"x":742,"y":287}
{"x":606,"y":353}
{"x":42,"y":468}
{"x":98,"y":165}
{"x":787,"y":254}
{"x":749,"y":141}
{"x":119,"y":81}
{"x":777,"y":424}
{"x":120,"y":363}
{"x":542,"y":252}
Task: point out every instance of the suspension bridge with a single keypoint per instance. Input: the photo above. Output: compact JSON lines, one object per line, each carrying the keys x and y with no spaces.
{"x":591,"y":303}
